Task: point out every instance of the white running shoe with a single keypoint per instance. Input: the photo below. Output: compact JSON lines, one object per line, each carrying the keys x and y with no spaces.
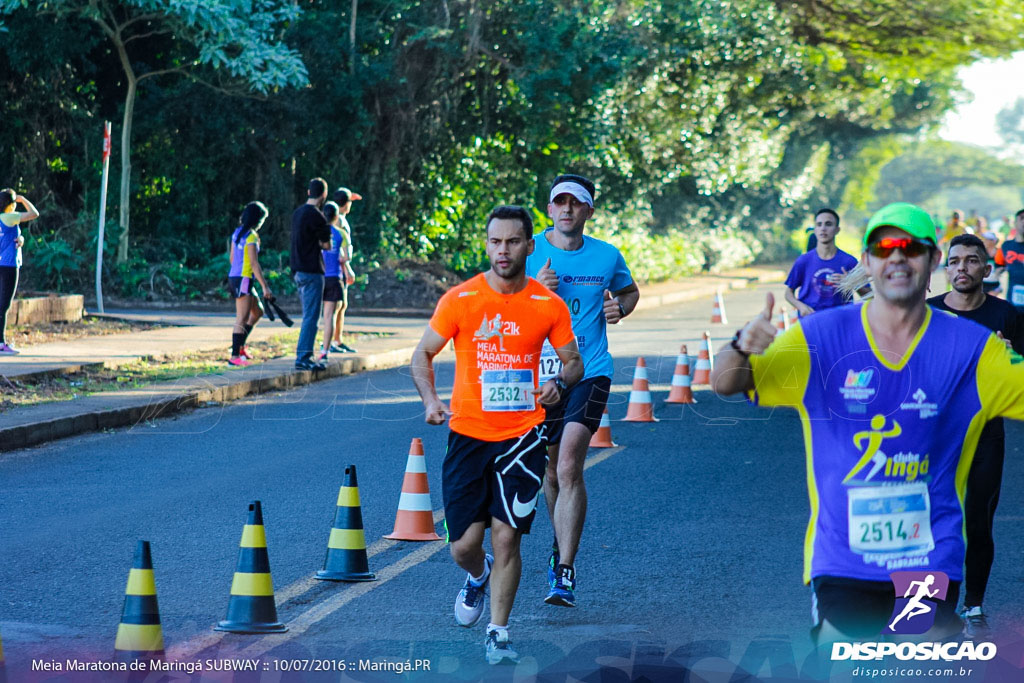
{"x":469,"y":605}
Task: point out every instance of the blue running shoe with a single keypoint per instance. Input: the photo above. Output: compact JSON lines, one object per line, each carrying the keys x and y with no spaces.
{"x":469,"y":606}
{"x":499,"y":648}
{"x":563,"y":592}
{"x":552,"y":564}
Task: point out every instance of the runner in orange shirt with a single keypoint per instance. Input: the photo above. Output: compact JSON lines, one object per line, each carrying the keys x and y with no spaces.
{"x":497,"y":452}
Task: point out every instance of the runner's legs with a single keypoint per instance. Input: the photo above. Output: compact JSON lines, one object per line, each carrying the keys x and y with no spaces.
{"x":507,"y":569}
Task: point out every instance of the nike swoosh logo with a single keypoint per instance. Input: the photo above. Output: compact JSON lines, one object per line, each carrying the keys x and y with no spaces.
{"x":520,"y":509}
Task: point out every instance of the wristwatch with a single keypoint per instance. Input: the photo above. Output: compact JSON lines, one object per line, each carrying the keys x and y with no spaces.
{"x":560,"y":383}
{"x":622,"y":311}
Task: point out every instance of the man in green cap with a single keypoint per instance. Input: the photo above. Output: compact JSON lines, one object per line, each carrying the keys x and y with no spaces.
{"x":892,"y":412}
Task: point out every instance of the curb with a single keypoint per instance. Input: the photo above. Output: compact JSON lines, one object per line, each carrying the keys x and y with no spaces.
{"x":273,"y":375}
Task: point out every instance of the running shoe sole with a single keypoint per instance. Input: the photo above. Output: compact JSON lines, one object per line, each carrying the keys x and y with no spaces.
{"x":560,"y":598}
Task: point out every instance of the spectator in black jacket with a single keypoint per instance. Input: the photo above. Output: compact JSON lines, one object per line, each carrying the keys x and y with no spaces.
{"x":310,"y":234}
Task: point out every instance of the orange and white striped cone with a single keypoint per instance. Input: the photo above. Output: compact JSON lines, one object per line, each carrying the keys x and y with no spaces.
{"x":681,"y":391}
{"x":791,"y":318}
{"x":415,"y":518}
{"x":781,"y":319}
{"x":702,"y":375}
{"x":718,"y":309}
{"x":640,"y":408}
{"x":602,"y":438}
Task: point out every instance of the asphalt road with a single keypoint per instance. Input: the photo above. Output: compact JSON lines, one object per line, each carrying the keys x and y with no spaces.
{"x":691,"y":557}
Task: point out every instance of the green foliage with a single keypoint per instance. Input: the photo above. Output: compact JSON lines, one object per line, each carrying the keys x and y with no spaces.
{"x":929,"y":167}
{"x":1010,"y":123}
{"x":712,"y":129}
{"x":56,"y":260}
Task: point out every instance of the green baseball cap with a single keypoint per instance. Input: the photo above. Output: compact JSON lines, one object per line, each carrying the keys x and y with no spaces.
{"x":907,"y":217}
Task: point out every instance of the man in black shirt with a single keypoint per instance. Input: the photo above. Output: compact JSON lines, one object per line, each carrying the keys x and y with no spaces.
{"x":966,"y":267}
{"x":310,"y":234}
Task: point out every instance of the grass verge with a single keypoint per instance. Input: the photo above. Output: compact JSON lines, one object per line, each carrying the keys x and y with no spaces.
{"x":143,"y":372}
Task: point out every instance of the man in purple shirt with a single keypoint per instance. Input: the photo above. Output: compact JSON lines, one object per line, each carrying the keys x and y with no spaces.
{"x":816,"y":273}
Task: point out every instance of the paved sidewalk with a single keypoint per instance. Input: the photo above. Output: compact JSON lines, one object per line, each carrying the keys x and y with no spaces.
{"x":189,"y":331}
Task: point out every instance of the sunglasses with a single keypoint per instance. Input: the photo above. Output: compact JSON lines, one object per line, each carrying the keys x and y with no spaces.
{"x":910,"y":247}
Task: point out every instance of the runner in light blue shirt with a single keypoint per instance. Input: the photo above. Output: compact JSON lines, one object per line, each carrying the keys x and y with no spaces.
{"x":592,"y":278}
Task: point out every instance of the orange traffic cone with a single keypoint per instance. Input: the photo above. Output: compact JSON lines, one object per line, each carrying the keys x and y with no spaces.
{"x":718,"y":309}
{"x":139,"y":635}
{"x":640,"y":407}
{"x":702,"y":374}
{"x":415,"y":518}
{"x":781,"y":319}
{"x":602,"y":438}
{"x":681,"y":392}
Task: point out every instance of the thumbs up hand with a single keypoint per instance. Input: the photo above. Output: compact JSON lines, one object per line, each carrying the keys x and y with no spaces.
{"x":612,"y":308}
{"x":547,"y":276}
{"x":758,"y":334}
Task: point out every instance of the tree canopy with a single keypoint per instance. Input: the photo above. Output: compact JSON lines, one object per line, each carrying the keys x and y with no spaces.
{"x":695,"y":117}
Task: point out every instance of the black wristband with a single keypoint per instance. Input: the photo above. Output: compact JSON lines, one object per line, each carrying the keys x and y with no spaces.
{"x":622,"y":311}
{"x":735,"y":344}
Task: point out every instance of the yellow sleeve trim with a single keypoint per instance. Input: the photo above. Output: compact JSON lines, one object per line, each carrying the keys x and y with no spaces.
{"x":1000,"y":381}
{"x":781,"y":374}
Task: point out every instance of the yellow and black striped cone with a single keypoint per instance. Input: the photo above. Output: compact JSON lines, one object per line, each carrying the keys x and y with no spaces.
{"x":346,"y":548}
{"x":139,"y":635}
{"x":252,"y":608}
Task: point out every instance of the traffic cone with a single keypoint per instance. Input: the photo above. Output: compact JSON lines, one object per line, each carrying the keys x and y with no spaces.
{"x":139,"y":635}
{"x":640,"y":408}
{"x":415,"y":518}
{"x":781,"y":320}
{"x":346,"y":548}
{"x":680,"y":391}
{"x":703,"y":370}
{"x":602,"y":438}
{"x":718,"y":309}
{"x":252,"y":608}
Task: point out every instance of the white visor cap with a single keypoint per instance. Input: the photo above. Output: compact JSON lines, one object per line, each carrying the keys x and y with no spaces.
{"x":575,"y":189}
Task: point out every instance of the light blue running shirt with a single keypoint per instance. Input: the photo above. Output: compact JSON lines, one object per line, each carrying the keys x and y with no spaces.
{"x":583,"y":275}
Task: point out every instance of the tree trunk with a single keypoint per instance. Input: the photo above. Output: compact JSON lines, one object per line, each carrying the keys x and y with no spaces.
{"x":352,"y":38}
{"x":126,"y":167}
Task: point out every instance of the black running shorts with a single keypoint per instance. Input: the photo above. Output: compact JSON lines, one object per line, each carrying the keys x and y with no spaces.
{"x":860,"y":609}
{"x":584,"y":403}
{"x":333,"y":289}
{"x":240,"y":286}
{"x":485,"y":479}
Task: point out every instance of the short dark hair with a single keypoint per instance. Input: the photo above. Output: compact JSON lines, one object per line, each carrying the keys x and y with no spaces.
{"x":7,"y":196}
{"x":1019,"y":214}
{"x":317,"y":187}
{"x":341,"y":196}
{"x":579,"y":180}
{"x":968,"y":240}
{"x":512,"y":212}
{"x":330,"y":210}
{"x":826,"y":209}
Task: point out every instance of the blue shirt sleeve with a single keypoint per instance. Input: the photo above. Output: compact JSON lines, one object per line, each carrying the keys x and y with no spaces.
{"x":621,"y":277}
{"x":795,"y":279}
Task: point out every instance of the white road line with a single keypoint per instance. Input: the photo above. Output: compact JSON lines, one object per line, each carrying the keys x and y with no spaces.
{"x":302,"y":622}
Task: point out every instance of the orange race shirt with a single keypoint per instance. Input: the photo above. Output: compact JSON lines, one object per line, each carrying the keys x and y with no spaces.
{"x":498,"y":339}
